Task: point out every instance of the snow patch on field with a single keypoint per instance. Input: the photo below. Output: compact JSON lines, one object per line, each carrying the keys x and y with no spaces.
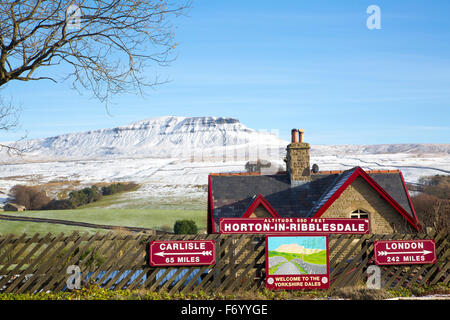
{"x":166,"y":180}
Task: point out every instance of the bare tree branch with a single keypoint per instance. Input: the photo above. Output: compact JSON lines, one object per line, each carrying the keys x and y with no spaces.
{"x":108,"y":44}
{"x":9,"y":120}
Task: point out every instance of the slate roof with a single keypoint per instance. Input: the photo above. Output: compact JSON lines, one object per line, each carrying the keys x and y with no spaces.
{"x":395,"y":186}
{"x":332,"y":188}
{"x":233,"y":194}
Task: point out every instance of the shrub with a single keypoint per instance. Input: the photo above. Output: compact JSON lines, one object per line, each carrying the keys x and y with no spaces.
{"x":118,"y":187}
{"x":433,"y":205}
{"x":59,"y":205}
{"x":30,"y":197}
{"x":85,"y":196}
{"x":432,"y":211}
{"x":78,"y":198}
{"x":361,"y":293}
{"x":438,"y":186}
{"x":185,"y":227}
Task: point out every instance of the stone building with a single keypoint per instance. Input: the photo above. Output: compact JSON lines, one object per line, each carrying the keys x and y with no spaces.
{"x":13,"y":207}
{"x":378,"y":195}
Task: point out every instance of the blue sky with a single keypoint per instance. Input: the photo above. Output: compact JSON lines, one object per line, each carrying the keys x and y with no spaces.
{"x":281,"y":65}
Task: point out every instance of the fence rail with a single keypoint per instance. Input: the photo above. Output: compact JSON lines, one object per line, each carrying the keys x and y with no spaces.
{"x":117,"y":260}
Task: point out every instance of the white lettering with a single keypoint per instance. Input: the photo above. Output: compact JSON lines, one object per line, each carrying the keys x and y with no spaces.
{"x":374,"y":20}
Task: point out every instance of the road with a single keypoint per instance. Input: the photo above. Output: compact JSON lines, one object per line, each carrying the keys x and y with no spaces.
{"x":290,"y":267}
{"x":73,"y":223}
{"x":312,"y":268}
{"x":287,"y":268}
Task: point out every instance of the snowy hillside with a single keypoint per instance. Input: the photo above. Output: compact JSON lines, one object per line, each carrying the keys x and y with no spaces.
{"x":412,"y":148}
{"x":172,"y":156}
{"x":198,"y":139}
{"x":164,"y":137}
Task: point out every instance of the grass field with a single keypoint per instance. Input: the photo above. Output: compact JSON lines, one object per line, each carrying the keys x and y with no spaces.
{"x":20,"y":227}
{"x":115,"y":210}
{"x":316,"y":258}
{"x":145,"y":218}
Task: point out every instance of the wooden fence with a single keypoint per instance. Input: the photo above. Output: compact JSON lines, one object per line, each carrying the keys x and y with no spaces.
{"x":119,"y":260}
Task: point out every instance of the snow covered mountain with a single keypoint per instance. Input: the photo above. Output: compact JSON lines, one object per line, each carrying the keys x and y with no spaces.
{"x":163,"y":137}
{"x":194,"y":138}
{"x":174,"y":155}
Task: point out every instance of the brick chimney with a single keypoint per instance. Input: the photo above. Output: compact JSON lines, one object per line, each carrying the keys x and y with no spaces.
{"x":297,"y":158}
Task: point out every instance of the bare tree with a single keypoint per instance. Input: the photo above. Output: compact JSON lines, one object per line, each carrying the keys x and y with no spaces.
{"x":106,"y":44}
{"x":9,"y":120}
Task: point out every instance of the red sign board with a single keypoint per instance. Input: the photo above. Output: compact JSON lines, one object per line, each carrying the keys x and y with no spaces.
{"x":286,"y":226}
{"x":418,"y":251}
{"x":182,"y":253}
{"x":299,"y":262}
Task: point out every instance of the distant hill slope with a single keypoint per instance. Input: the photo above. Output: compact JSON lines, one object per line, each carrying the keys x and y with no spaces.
{"x":412,"y":148}
{"x":201,"y":138}
{"x":163,"y":137}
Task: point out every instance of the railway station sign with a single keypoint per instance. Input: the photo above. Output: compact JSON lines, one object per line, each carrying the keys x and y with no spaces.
{"x":297,"y":262}
{"x":293,"y":226}
{"x":182,"y":253}
{"x":392,"y":252}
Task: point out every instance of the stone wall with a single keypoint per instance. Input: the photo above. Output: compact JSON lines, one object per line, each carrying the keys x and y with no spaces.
{"x":384,"y":219}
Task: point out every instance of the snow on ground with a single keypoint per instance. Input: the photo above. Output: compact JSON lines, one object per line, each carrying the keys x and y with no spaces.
{"x":169,"y":180}
{"x":172,"y":156}
{"x":160,"y":178}
{"x":412,"y":166}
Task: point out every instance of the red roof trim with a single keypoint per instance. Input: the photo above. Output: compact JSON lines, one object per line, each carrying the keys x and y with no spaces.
{"x":367,"y":171}
{"x":409,"y":200}
{"x":359,"y":172}
{"x":336,"y":195}
{"x":386,"y":195}
{"x":260,"y":200}
{"x":211,"y":222}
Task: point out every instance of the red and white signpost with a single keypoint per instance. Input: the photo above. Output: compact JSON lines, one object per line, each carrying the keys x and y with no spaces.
{"x":182,"y":253}
{"x":299,"y":267}
{"x":293,"y":226}
{"x":392,"y":252}
{"x":295,"y":263}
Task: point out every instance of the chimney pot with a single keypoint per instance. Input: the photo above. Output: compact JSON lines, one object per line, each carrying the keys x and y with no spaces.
{"x":294,"y":135}
{"x":301,"y":132}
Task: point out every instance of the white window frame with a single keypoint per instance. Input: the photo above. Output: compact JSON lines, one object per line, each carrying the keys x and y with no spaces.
{"x":359,"y":214}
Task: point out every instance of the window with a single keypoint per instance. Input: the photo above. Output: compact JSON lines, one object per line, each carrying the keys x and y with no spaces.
{"x":359,"y":214}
